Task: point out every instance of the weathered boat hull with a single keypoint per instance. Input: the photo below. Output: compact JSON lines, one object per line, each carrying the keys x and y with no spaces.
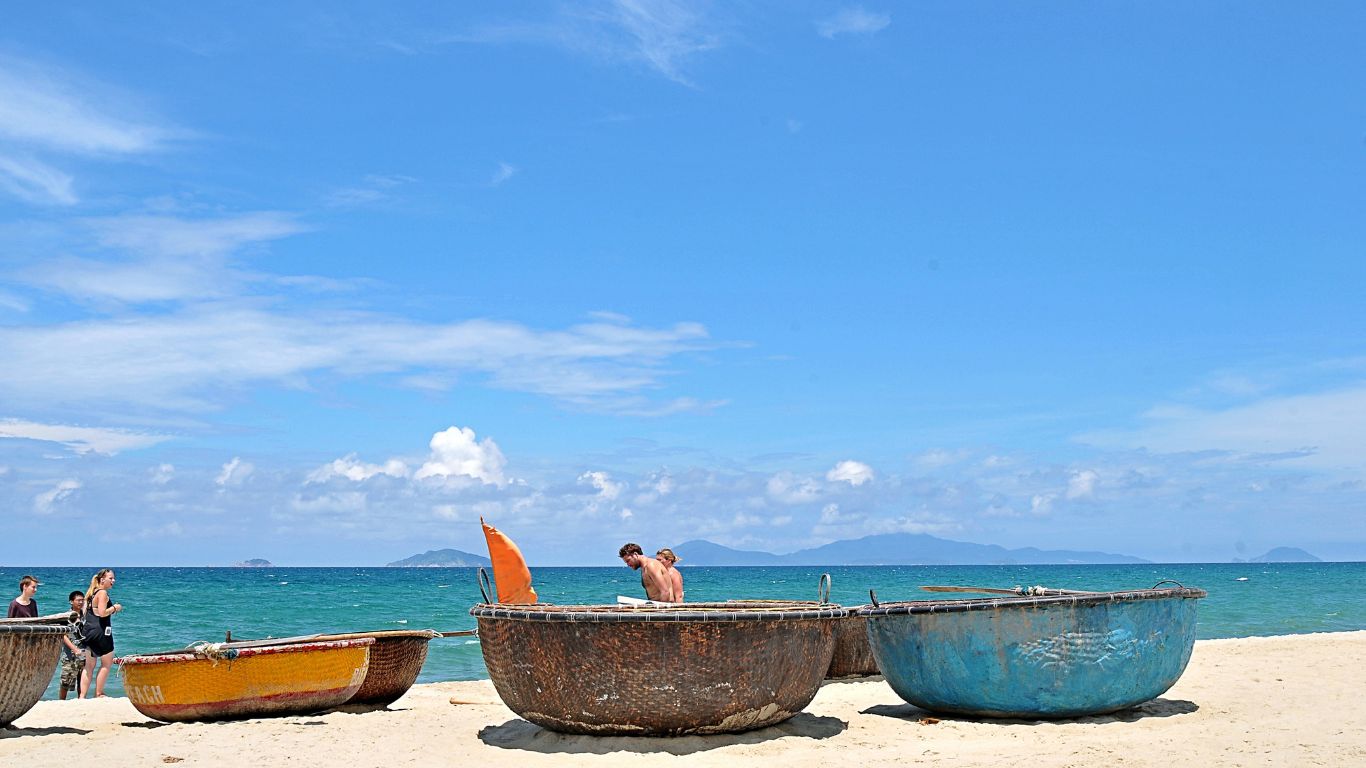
{"x":1035,"y":657}
{"x":656,"y":671}
{"x":224,"y":683}
{"x":29,"y":651}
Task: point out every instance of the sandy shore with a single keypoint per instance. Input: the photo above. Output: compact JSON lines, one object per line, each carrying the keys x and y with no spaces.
{"x":1293,"y":700}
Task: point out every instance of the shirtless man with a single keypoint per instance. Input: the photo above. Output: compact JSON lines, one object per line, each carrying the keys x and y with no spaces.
{"x":658,"y":586}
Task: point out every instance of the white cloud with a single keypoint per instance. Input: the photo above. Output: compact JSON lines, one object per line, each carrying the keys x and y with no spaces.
{"x":792,"y":489}
{"x":162,"y":474}
{"x":35,"y":182}
{"x":1321,"y":430}
{"x":939,"y":458}
{"x":607,"y":489}
{"x":853,"y":21}
{"x":351,"y":468}
{"x":179,"y":237}
{"x":456,"y":453}
{"x":660,"y":34}
{"x":1082,"y":484}
{"x":80,"y":439}
{"x":851,"y":472}
{"x":348,"y":502}
{"x":1042,"y":503}
{"x":503,"y":173}
{"x":46,"y":502}
{"x":234,"y":473}
{"x":46,"y":108}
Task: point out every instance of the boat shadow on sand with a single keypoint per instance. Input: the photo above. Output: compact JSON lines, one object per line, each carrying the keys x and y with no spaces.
{"x":520,"y":734}
{"x":10,"y":731}
{"x":1154,"y":708}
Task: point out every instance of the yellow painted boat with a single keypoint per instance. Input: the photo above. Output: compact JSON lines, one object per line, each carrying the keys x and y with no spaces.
{"x":220,"y":682}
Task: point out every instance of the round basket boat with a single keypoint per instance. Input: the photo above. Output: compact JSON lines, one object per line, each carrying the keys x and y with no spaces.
{"x":221,"y":682}
{"x":656,"y":670}
{"x":852,"y":657}
{"x":29,"y":650}
{"x":1060,"y":655}
{"x":396,"y":659}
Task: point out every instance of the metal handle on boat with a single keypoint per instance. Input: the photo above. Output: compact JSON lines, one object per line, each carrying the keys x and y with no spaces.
{"x":823,"y":589}
{"x":1178,"y":584}
{"x":484,"y":586}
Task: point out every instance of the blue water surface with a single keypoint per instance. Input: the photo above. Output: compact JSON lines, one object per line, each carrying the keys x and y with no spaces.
{"x":167,"y":608}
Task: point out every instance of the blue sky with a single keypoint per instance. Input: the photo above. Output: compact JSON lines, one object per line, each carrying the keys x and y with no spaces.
{"x":325,"y":283}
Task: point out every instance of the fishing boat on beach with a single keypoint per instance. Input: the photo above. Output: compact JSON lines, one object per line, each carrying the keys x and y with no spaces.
{"x":1034,"y":652}
{"x":225,"y":681}
{"x":29,"y":650}
{"x":656,"y":670}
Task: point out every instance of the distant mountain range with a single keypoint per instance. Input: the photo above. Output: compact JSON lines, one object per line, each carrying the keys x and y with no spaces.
{"x":895,"y":549}
{"x":1286,"y":555}
{"x":442,"y":558}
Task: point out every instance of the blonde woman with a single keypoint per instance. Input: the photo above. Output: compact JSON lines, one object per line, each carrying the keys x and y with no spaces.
{"x":669,"y":559}
{"x":95,"y":630}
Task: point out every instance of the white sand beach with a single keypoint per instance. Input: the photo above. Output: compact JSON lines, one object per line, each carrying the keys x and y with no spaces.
{"x":1293,"y":700}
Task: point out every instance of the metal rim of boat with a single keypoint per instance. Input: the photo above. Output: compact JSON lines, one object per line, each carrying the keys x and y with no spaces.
{"x":993,"y":603}
{"x":613,"y":614}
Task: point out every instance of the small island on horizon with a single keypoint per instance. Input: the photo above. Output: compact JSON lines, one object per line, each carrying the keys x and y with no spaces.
{"x":255,"y":562}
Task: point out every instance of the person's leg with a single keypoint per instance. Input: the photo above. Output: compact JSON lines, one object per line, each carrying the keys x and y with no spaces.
{"x":103,"y":675}
{"x":61,"y":694}
{"x":85,"y":674}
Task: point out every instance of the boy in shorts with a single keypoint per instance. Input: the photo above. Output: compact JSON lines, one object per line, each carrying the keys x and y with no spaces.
{"x":73,"y":655}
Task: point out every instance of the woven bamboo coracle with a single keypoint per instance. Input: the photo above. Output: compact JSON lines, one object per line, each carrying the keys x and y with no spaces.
{"x":396,"y":659}
{"x":658,"y":670}
{"x":853,"y":656}
{"x":29,"y":650}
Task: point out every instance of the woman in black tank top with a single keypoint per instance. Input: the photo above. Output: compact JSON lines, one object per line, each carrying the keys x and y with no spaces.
{"x":99,"y":646}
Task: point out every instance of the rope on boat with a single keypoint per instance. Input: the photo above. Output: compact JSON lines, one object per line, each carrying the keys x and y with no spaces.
{"x":215,"y":652}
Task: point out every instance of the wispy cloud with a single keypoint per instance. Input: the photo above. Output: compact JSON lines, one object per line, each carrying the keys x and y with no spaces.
{"x":35,"y":182}
{"x":80,"y":439}
{"x":1321,"y":430}
{"x":46,"y":502}
{"x":47,"y":111}
{"x":503,"y":173}
{"x":853,"y":21}
{"x":663,"y":35}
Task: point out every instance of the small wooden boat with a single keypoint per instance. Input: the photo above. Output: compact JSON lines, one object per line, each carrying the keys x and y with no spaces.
{"x":1041,"y":654}
{"x":657,"y":670}
{"x":227,"y":681}
{"x":29,"y":651}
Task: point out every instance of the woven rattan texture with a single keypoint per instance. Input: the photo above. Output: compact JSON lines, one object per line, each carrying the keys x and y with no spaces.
{"x":27,"y":660}
{"x":656,"y":678}
{"x":853,"y":655}
{"x":395,"y":661}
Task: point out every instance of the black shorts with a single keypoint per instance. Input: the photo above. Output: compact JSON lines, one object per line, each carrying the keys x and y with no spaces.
{"x":100,"y":645}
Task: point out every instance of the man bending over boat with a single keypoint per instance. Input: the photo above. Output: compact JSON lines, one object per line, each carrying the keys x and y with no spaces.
{"x":658,"y":586}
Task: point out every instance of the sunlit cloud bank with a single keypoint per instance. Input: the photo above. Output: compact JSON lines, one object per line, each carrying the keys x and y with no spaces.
{"x":386,"y":507}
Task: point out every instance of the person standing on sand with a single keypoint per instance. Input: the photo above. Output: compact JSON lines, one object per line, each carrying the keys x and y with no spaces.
{"x":73,"y":656}
{"x":24,"y":606}
{"x":668,"y":559}
{"x":656,"y":581}
{"x":99,"y":646}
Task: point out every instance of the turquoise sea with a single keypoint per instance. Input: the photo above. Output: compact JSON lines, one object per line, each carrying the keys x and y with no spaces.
{"x":167,"y":608}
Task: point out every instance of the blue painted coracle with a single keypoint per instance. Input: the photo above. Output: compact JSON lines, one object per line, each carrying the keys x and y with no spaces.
{"x":1050,"y":656}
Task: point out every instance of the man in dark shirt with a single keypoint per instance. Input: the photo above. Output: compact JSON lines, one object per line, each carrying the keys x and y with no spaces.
{"x":24,"y":606}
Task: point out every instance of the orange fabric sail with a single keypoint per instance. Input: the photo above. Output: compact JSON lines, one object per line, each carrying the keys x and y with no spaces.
{"x":510,"y":574}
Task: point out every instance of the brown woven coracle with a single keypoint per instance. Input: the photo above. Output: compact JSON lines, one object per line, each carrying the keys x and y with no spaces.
{"x":29,"y":650}
{"x":658,"y":670}
{"x":396,"y":659}
{"x":853,"y":656}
